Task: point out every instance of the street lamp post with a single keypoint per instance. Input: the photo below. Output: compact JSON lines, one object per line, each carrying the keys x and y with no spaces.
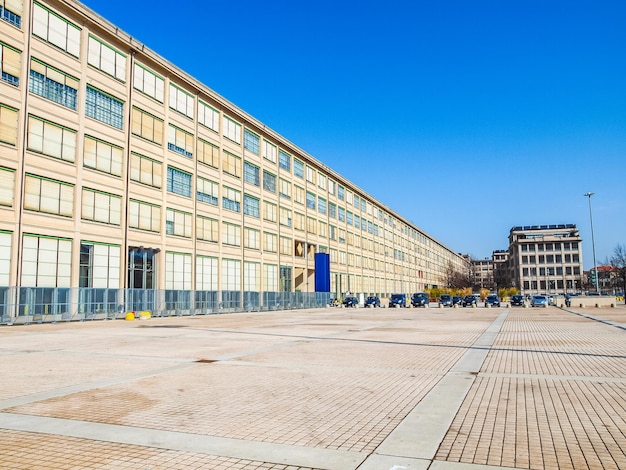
{"x":593,"y":243}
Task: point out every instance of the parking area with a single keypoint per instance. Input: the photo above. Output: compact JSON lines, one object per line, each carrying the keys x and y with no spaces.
{"x":335,"y":388}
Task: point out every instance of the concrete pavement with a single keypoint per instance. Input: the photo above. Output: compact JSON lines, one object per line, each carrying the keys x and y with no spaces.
{"x":337,"y":389}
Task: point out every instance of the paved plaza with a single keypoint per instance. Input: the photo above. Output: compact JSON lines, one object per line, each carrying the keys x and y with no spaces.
{"x":335,"y":389}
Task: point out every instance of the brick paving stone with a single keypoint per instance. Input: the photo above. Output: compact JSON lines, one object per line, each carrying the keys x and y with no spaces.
{"x":556,"y":382}
{"x":48,"y":452}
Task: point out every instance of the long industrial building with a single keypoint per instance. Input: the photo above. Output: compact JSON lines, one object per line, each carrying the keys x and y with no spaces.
{"x":121,"y":173}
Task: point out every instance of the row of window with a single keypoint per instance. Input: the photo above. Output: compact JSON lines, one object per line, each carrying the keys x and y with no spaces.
{"x":550,"y":259}
{"x":555,"y":271}
{"x":566,"y":246}
{"x":47,"y":262}
{"x":558,"y":284}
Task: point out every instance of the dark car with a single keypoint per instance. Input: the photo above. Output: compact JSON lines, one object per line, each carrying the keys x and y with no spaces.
{"x":457,"y":300}
{"x":445,"y":300}
{"x":397,"y":300}
{"x":492,"y":300}
{"x":372,"y":301}
{"x":350,"y":302}
{"x":469,"y":300}
{"x":517,"y":300}
{"x":420,"y":299}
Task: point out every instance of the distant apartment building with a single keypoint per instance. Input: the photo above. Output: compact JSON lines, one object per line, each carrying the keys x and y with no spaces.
{"x":482,"y":274}
{"x":545,"y":259}
{"x":120,"y":171}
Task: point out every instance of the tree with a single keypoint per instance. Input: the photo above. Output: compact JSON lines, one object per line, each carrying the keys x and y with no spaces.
{"x":618,"y":261}
{"x":454,"y":278}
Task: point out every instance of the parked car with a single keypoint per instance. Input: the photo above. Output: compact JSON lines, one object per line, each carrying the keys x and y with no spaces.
{"x":445,"y":300}
{"x":350,"y":302}
{"x":420,"y":299}
{"x":372,"y":301}
{"x":517,"y":300}
{"x":492,"y":300}
{"x":457,"y":300}
{"x":397,"y":300}
{"x":539,"y":301}
{"x":469,"y":300}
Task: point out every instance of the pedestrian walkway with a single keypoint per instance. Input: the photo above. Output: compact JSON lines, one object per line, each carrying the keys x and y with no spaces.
{"x":335,"y":389}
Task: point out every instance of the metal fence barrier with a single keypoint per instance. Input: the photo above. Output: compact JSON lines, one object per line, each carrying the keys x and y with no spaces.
{"x":25,"y":305}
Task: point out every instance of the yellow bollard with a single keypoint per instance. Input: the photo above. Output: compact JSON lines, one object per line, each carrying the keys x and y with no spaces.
{"x":130,"y":316}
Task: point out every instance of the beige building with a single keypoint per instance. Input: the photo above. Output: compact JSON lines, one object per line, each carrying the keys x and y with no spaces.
{"x":118,"y":171}
{"x":546,"y":259}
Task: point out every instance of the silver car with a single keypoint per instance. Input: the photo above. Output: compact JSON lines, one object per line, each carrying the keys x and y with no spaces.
{"x":539,"y":301}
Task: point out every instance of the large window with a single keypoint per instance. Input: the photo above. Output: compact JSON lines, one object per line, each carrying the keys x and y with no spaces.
{"x":104,"y":57}
{"x":231,"y":275}
{"x":148,"y":82}
{"x":207,"y":229}
{"x":207,"y":191}
{"x":144,"y":216}
{"x":251,"y":238}
{"x":231,"y":234}
{"x":56,"y":30}
{"x":206,"y":273}
{"x":99,"y":206}
{"x":285,"y":217}
{"x":208,"y":116}
{"x":9,"y":64}
{"x":232,"y":130}
{"x":6,"y":239}
{"x":298,"y":168}
{"x":146,"y":170}
{"x":250,"y":173}
{"x":52,"y":84}
{"x":310,"y":200}
{"x":231,"y":164}
{"x":147,"y":126}
{"x":270,"y":242}
{"x":285,"y":189}
{"x":286,"y":246}
{"x":7,"y":186}
{"x":284,"y":160}
{"x":181,"y":101}
{"x":321,"y":205}
{"x":270,"y":278}
{"x":251,"y":141}
{"x":178,"y":182}
{"x":251,"y":276}
{"x":178,"y":271}
{"x":208,"y":153}
{"x":231,"y":199}
{"x":11,"y":12}
{"x":180,"y":141}
{"x":48,"y":195}
{"x":269,"y":181}
{"x":104,"y":108}
{"x":269,"y":211}
{"x":178,"y":223}
{"x":103,"y":156}
{"x":46,"y":261}
{"x":269,"y":151}
{"x":99,"y":265}
{"x":51,"y":139}
{"x":251,"y":206}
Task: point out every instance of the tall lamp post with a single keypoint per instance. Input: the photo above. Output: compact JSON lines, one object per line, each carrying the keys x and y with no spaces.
{"x":593,"y":243}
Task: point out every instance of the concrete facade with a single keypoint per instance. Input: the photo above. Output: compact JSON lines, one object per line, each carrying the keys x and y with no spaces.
{"x":545,"y":259}
{"x":119,"y":170}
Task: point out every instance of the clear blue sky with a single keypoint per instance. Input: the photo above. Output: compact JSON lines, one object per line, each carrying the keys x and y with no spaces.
{"x":467,"y":118}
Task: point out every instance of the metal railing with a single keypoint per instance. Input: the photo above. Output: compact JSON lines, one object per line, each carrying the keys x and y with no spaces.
{"x":25,"y":305}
